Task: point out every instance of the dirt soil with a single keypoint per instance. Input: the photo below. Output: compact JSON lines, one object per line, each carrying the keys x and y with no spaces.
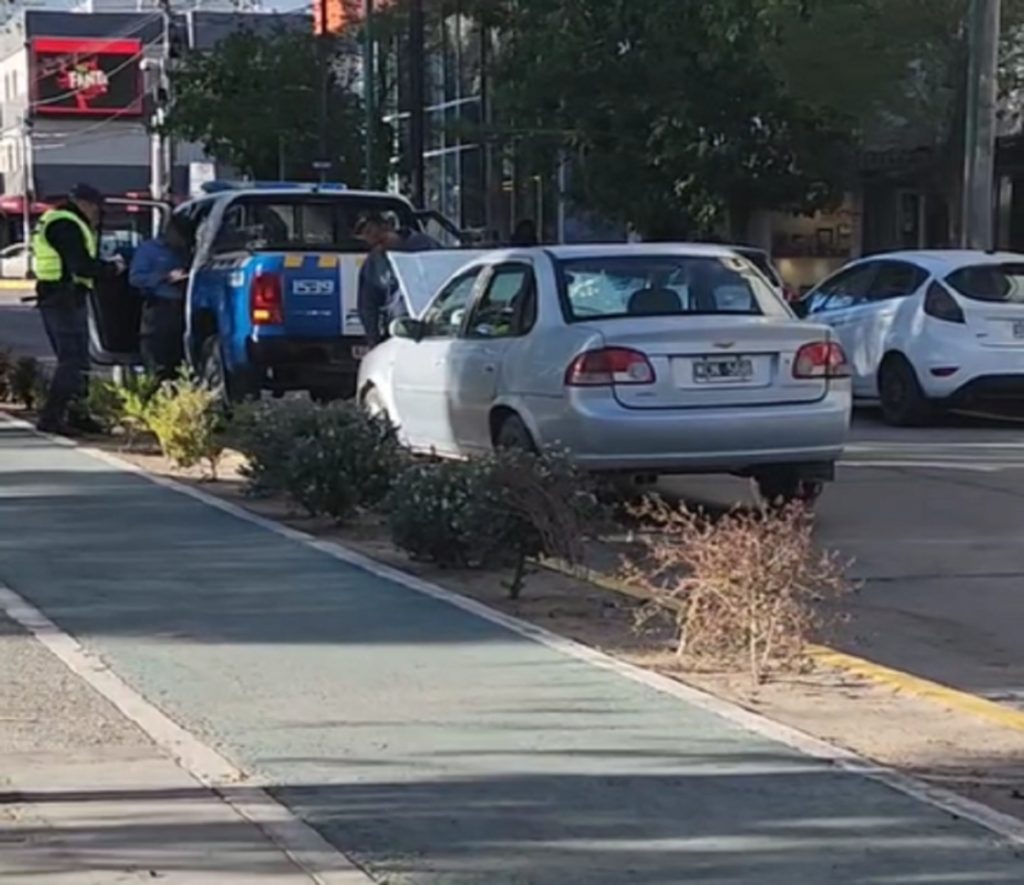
{"x":953,"y":749}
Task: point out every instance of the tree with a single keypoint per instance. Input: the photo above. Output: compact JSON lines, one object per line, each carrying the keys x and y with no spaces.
{"x":673,"y":114}
{"x":255,"y":104}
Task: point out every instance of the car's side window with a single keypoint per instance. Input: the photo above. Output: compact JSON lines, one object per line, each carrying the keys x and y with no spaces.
{"x":845,"y":289}
{"x":444,"y":317}
{"x":896,"y":279}
{"x":509,"y":306}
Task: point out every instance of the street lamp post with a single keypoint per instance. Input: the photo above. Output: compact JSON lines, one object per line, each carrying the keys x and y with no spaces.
{"x":978,"y":219}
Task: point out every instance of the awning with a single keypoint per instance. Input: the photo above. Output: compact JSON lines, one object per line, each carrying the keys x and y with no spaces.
{"x":15,"y":205}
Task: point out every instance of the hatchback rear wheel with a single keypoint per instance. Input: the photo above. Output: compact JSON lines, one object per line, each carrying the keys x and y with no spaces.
{"x":903,"y":402}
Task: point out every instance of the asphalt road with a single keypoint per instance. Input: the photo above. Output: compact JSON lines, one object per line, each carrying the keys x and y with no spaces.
{"x":933,"y":519}
{"x":431,"y":744}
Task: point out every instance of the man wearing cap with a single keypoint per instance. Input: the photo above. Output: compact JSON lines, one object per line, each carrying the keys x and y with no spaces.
{"x":65,"y":250}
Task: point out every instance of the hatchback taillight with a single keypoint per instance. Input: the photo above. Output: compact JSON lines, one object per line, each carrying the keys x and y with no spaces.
{"x":821,"y":359}
{"x":940,"y":304}
{"x":608,"y":366}
{"x":266,"y":306}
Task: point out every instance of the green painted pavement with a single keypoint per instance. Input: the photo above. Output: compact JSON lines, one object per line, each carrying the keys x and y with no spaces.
{"x":430,"y":744}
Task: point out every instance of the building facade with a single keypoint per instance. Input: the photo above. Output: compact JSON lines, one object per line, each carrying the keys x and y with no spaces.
{"x":77,"y":100}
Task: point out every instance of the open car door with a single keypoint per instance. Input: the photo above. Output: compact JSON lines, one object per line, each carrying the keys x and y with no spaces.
{"x":420,"y":275}
{"x":442,"y":229}
{"x":115,"y":309}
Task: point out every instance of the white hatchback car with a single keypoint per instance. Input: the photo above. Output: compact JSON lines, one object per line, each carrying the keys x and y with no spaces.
{"x":928,"y":330}
{"x":640,"y":359}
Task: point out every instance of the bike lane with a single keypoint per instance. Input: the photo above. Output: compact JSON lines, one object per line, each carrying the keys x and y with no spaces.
{"x":429,"y":744}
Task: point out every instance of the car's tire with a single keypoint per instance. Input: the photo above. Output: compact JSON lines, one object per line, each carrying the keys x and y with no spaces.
{"x":903,"y":402}
{"x":514,"y":434}
{"x":229,"y":387}
{"x":779,"y":488}
{"x":373,"y":404}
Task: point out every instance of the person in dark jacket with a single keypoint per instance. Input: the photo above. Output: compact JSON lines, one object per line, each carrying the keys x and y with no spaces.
{"x":159,"y":274}
{"x":525,"y":234}
{"x":65,"y":260}
{"x":378,"y":301}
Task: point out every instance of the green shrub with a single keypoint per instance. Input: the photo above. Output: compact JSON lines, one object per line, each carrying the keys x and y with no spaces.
{"x":123,"y":407}
{"x":265,"y":432}
{"x":494,"y":511}
{"x":341,"y":460}
{"x":186,"y":419}
{"x":6,"y":366}
{"x":24,"y":379}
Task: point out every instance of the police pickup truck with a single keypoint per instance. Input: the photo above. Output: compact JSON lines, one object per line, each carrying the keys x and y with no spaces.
{"x":271,"y":296}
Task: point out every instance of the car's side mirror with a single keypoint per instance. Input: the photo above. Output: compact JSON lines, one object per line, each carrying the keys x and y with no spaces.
{"x":407,"y":327}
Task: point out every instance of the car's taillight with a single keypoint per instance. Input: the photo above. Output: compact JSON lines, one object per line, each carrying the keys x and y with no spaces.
{"x":821,"y":359}
{"x":266,"y":305}
{"x":610,"y":365}
{"x":940,"y":304}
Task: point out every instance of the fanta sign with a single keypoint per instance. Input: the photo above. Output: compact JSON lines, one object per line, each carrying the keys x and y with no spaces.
{"x":86,"y":77}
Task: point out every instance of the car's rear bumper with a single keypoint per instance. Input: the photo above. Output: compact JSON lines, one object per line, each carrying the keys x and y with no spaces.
{"x":301,"y":363}
{"x":606,"y":437}
{"x":989,"y":390}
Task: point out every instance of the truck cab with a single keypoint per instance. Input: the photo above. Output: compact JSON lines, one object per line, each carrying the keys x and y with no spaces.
{"x":271,"y":301}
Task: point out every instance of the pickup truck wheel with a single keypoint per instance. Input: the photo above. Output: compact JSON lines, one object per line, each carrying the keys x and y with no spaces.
{"x":229,"y":387}
{"x":781,"y":487}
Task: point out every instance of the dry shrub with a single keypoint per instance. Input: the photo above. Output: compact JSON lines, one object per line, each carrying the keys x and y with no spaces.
{"x":748,"y":589}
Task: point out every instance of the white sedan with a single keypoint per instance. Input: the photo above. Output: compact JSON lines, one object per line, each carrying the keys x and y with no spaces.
{"x":640,"y":359}
{"x":928,"y":330}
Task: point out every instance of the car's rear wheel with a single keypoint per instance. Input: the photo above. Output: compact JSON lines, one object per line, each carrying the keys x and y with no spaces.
{"x":514,"y":434}
{"x":903,"y":402}
{"x":777,"y":488}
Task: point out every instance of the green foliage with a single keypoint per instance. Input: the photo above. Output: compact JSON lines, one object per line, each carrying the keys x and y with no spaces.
{"x":331,"y":460}
{"x":24,"y":382}
{"x":494,"y":511}
{"x":265,"y":432}
{"x":186,"y":419}
{"x":677,"y":101}
{"x":254,"y":103}
{"x":6,"y":365}
{"x":123,"y":407}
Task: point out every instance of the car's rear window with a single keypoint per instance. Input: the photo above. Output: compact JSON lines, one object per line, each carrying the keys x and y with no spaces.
{"x":657,"y":285}
{"x":298,"y":222}
{"x":990,"y":282}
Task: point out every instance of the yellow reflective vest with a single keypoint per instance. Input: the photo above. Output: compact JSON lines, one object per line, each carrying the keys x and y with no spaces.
{"x":47,"y":263}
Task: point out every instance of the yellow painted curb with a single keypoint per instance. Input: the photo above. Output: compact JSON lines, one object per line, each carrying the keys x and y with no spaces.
{"x":951,"y":698}
{"x":954,"y":699}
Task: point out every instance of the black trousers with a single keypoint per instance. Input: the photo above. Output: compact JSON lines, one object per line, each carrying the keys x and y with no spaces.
{"x":67,"y":326}
{"x":161,"y":336}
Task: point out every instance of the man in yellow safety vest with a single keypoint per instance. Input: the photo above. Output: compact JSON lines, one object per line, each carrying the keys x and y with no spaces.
{"x":65,"y":260}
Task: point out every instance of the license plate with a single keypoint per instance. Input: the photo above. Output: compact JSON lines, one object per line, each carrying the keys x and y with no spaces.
{"x":1018,"y":328}
{"x":359,"y":351}
{"x":733,"y":370}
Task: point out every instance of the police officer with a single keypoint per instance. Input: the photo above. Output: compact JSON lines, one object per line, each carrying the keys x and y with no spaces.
{"x":65,"y":249}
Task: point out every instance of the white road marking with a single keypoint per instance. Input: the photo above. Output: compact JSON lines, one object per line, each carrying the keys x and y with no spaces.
{"x":1010,"y":828}
{"x":936,"y":465}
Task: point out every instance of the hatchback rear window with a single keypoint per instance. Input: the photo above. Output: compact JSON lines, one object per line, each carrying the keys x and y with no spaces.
{"x":658,"y":285}
{"x":990,"y":282}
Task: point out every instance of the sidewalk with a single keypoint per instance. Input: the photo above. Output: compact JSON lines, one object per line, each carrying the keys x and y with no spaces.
{"x":87,"y":799}
{"x":432,"y":745}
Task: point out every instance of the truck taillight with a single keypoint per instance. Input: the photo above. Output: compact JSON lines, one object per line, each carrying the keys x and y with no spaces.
{"x":608,"y":366}
{"x":266,"y":305}
{"x":822,"y":359}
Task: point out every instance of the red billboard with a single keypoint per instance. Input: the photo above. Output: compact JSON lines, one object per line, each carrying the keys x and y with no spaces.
{"x":73,"y":77}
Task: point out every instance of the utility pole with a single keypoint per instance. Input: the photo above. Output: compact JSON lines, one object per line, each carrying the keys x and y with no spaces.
{"x":978,"y":222}
{"x":160,"y":151}
{"x":417,"y":100}
{"x":369,"y":92}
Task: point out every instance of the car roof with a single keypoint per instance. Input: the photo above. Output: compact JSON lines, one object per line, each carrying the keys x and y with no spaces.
{"x":299,"y":192}
{"x":946,"y":260}
{"x":625,"y":250}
